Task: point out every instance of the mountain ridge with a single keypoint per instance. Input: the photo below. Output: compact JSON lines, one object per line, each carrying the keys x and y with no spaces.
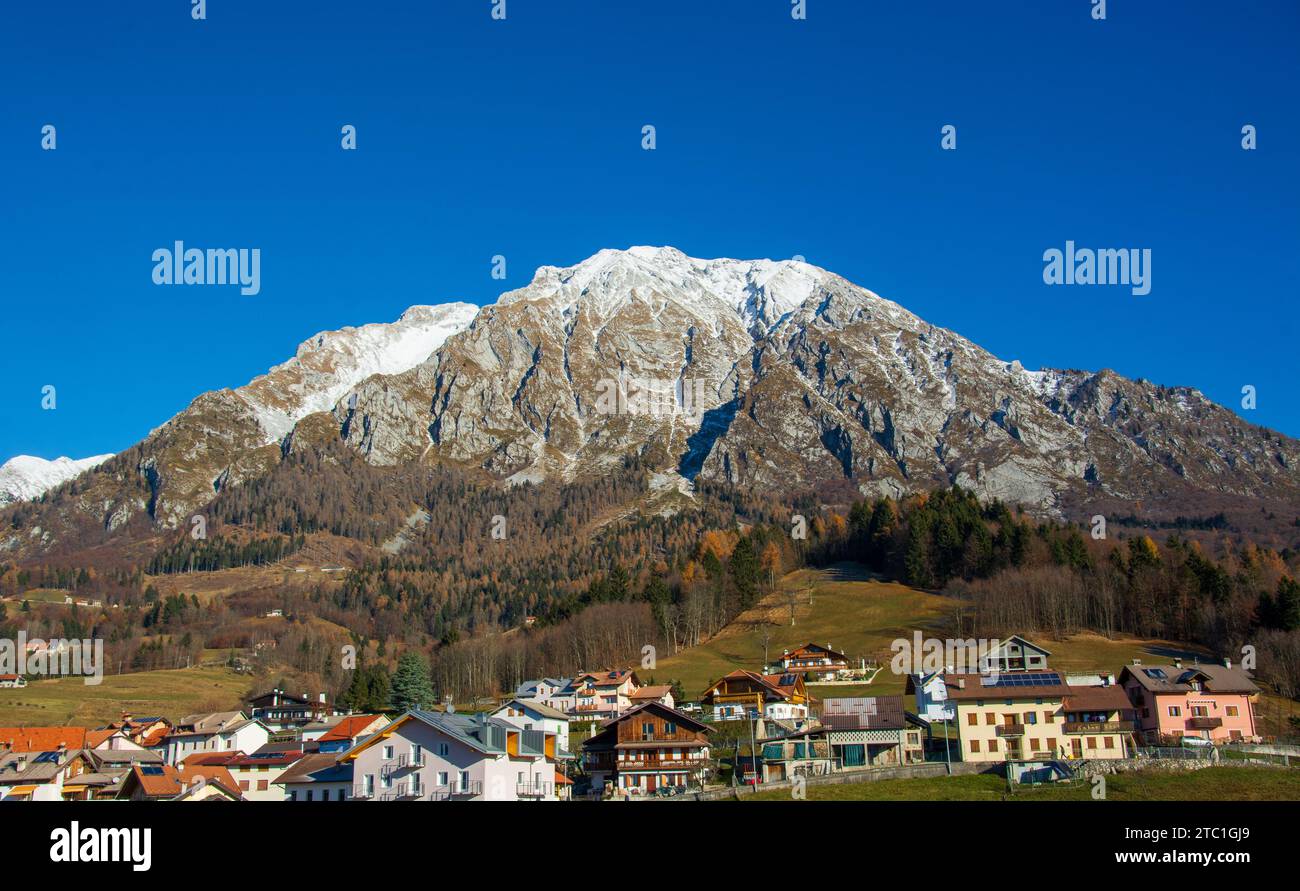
{"x":798,"y":379}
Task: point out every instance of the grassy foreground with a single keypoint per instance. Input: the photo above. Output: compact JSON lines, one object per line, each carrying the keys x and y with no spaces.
{"x":172,"y":693}
{"x":1209,"y":784}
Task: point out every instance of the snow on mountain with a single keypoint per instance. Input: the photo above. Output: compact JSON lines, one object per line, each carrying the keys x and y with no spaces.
{"x":760,"y":292}
{"x":26,"y":477}
{"x":331,"y":363}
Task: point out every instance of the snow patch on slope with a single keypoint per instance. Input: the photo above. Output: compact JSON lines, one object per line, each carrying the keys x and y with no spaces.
{"x":327,"y":366}
{"x":25,"y":477}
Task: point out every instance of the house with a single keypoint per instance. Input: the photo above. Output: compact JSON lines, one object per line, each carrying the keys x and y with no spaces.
{"x":110,"y":767}
{"x":648,"y":748}
{"x":41,"y":775}
{"x":1023,"y":715}
{"x":162,"y":782}
{"x":542,"y":688}
{"x":146,"y":732}
{"x":317,"y":777}
{"x":279,"y":710}
{"x":824,"y":662}
{"x":349,"y":731}
{"x":253,"y":775}
{"x":805,"y":752}
{"x":214,"y":732}
{"x":1098,"y":720}
{"x":931,"y":696}
{"x":442,"y":756}
{"x":1212,"y":702}
{"x":661,"y":693}
{"x":532,"y":715}
{"x":1014,"y":654}
{"x":771,"y":696}
{"x":12,"y":680}
{"x":871,"y":731}
{"x":601,"y":695}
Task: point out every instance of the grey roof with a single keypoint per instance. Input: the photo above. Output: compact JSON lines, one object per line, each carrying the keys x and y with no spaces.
{"x":124,"y":756}
{"x":1176,"y":679}
{"x":540,"y":707}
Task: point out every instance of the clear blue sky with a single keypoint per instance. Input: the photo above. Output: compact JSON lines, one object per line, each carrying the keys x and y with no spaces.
{"x":775,"y":137}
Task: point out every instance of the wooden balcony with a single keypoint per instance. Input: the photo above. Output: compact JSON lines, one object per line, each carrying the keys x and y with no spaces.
{"x":1011,"y":730}
{"x":1204,"y":723}
{"x":654,"y":762}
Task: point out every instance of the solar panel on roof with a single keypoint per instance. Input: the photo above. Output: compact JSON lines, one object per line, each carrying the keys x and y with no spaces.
{"x":151,"y":770}
{"x":1022,"y":679}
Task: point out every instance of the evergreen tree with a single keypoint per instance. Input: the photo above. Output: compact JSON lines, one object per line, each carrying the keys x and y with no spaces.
{"x":411,"y":685}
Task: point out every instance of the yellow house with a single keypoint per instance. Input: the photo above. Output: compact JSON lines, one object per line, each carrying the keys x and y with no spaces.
{"x":1028,"y":715}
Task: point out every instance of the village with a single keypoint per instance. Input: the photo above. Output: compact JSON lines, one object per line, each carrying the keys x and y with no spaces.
{"x":605,"y":735}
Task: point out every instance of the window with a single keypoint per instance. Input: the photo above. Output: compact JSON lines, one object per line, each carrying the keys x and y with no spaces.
{"x":990,"y":718}
{"x":464,"y":781}
{"x":519,"y":778}
{"x":1048,"y":717}
{"x":443,"y":749}
{"x":262,"y":785}
{"x":386,"y":780}
{"x":1110,"y":742}
{"x":1031,"y":717}
{"x":1174,"y":711}
{"x":647,"y":730}
{"x":324,"y":794}
{"x":243,"y":785}
{"x":417,"y":753}
{"x":415,"y":784}
{"x":388,"y":753}
{"x":343,"y":794}
{"x":993,"y":745}
{"x":370,"y":784}
{"x":1230,"y":711}
{"x":293,"y":794}
{"x":973,"y":719}
{"x":442,"y":778}
{"x":974,"y":745}
{"x":1092,"y":742}
{"x":1200,"y":711}
{"x":309,"y":795}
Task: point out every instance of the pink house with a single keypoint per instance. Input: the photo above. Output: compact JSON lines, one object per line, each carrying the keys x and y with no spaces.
{"x":1212,"y":702}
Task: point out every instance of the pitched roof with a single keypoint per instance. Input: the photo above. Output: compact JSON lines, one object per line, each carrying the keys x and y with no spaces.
{"x":319,"y":767}
{"x":656,"y":706}
{"x":658,"y":691}
{"x":42,"y":739}
{"x":1091,"y":698}
{"x":864,"y":713}
{"x":350,"y":727}
{"x":533,"y":705}
{"x":1175,"y":679}
{"x":94,"y":738}
{"x":1013,"y":685}
{"x":777,"y":686}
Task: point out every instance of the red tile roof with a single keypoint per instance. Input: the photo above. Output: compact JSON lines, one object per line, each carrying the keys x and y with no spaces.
{"x":349,"y":728}
{"x":42,"y":739}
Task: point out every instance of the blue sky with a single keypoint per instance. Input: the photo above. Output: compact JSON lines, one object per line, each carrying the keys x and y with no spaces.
{"x":523,"y":138}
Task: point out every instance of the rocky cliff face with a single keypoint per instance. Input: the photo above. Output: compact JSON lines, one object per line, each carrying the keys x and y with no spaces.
{"x":765,"y":374}
{"x":785,"y":376}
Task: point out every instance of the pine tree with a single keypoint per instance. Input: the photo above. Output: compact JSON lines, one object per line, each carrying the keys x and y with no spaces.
{"x":411,"y":685}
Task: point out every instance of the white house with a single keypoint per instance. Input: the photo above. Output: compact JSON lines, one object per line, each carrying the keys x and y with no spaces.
{"x":215,"y":732}
{"x":529,"y":715}
{"x":438,"y":756}
{"x":931,"y":697}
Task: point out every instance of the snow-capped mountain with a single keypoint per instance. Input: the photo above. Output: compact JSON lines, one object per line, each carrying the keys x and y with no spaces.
{"x":227,"y":436}
{"x":776,"y":375}
{"x":25,"y":477}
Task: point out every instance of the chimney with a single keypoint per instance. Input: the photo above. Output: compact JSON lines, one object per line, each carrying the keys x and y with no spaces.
{"x":961,"y":683}
{"x":22,"y":762}
{"x":1178,"y":663}
{"x":1137,"y":661}
{"x":1227,"y":663}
